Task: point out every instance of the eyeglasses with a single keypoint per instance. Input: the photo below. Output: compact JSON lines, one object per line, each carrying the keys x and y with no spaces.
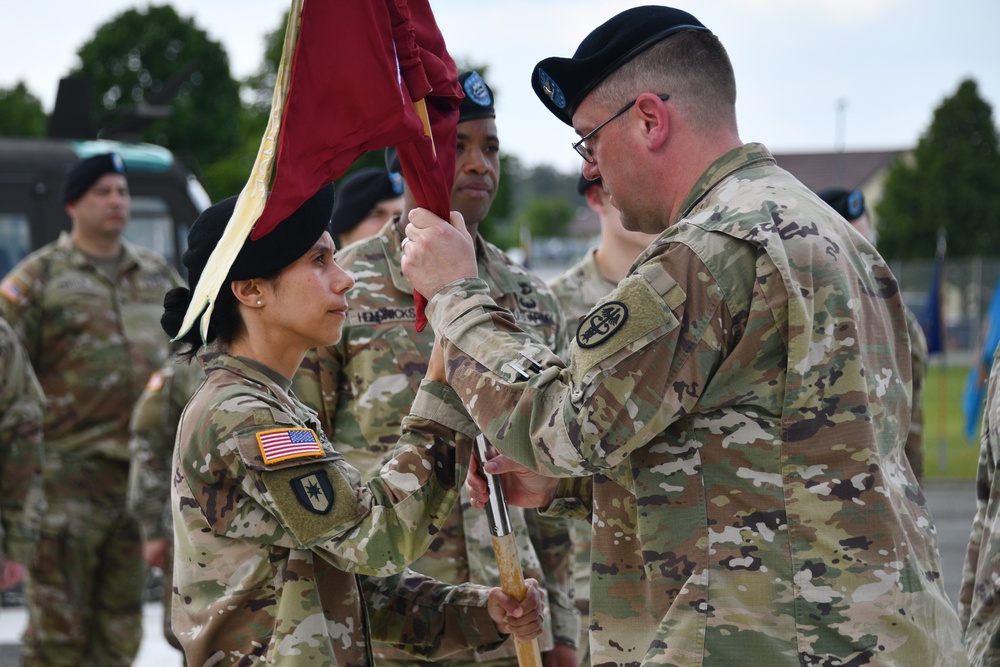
{"x":585,"y":152}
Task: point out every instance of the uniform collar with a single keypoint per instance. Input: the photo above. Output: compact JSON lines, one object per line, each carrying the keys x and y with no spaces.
{"x":735,"y":160}
{"x":130,"y":260}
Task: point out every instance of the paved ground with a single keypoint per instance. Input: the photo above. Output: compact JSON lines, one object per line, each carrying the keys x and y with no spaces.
{"x":952,"y":503}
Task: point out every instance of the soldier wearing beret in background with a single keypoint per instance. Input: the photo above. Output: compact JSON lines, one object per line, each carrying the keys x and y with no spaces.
{"x":366,"y":200}
{"x":579,"y":288}
{"x":271,"y":525}
{"x":732,"y":416}
{"x":850,"y":204}
{"x":87,"y":310}
{"x":363,"y":386}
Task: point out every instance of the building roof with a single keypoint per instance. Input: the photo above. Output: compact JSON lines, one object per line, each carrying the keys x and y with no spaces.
{"x":844,"y":169}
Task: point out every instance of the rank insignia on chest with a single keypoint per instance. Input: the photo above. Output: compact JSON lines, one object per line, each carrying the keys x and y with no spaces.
{"x":283,"y":444}
{"x":314,"y":491}
{"x":601,"y":324}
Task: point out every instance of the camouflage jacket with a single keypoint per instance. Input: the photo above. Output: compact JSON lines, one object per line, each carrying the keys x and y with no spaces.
{"x":21,"y":404}
{"x":153,"y":430}
{"x":918,"y":358}
{"x":578,"y":289}
{"x":272,"y":527}
{"x":736,"y":411}
{"x":93,"y":342}
{"x":977,"y":603}
{"x":364,"y":386}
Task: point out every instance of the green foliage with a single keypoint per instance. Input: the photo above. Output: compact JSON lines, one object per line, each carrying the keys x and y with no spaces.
{"x":944,"y":423}
{"x":21,"y":113}
{"x":952,"y":181}
{"x":153,"y":56}
{"x":547,"y":217}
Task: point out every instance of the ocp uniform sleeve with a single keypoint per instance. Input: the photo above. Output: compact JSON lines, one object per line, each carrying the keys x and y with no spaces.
{"x":553,"y":541}
{"x":319,"y":502}
{"x":427,"y":618}
{"x":21,"y":492}
{"x":622,"y":388}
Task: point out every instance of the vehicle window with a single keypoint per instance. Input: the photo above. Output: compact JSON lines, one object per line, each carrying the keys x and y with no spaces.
{"x":15,"y":240}
{"x":152,"y":227}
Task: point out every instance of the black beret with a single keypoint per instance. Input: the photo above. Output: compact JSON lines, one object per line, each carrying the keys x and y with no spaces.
{"x":477,"y":103}
{"x":848,"y":203}
{"x":266,"y":256}
{"x":358,"y":193}
{"x":85,"y":173}
{"x":478,"y":100}
{"x":582,"y":184}
{"x":563,"y":83}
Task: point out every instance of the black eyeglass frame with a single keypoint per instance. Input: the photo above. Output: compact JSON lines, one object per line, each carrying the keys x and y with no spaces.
{"x":585,"y":152}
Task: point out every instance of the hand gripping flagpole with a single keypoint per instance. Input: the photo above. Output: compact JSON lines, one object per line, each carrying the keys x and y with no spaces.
{"x":511,"y":576}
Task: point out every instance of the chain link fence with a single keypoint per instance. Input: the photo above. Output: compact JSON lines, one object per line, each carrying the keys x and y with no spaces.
{"x":968,"y":287}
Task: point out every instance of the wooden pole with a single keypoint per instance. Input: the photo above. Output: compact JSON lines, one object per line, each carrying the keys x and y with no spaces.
{"x":511,"y":576}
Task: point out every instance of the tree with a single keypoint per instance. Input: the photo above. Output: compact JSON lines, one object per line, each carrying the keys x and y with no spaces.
{"x":952,"y":182}
{"x":145,"y":60}
{"x":21,"y":113}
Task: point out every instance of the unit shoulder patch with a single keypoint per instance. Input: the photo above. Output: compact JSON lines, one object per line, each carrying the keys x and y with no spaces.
{"x":601,"y":324}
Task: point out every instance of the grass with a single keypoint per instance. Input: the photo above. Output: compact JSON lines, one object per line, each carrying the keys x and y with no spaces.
{"x":947,"y":454}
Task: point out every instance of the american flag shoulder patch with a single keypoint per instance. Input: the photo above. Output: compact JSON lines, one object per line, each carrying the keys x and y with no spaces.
{"x":12,"y":290}
{"x":282,"y":444}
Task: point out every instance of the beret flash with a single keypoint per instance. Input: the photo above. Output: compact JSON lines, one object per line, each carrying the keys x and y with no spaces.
{"x":563,"y":83}
{"x":85,"y":173}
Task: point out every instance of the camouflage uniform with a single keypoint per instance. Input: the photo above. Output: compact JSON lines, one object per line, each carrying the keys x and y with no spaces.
{"x":268,"y":546}
{"x":918,"y":358}
{"x":977,"y":602}
{"x":734,"y":413}
{"x":153,"y":430}
{"x":93,"y":343}
{"x":364,"y":386}
{"x":578,"y":289}
{"x":21,"y":405}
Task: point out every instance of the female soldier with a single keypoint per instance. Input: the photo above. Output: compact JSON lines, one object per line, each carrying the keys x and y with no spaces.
{"x":271,"y":527}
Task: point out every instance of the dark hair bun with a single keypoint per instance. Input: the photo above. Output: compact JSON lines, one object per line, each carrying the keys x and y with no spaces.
{"x":175,"y":305}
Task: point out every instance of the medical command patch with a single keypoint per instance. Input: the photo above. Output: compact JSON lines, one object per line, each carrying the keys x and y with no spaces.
{"x":601,"y":324}
{"x":288,"y":443}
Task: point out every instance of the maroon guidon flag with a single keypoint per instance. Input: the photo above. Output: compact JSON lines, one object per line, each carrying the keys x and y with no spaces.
{"x":349,"y":78}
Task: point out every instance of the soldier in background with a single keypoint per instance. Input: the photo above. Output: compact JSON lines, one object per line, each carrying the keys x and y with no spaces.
{"x":153,"y":429}
{"x":87,"y":308}
{"x":978,"y":599}
{"x":363,"y":386}
{"x":366,"y":200}
{"x":578,"y":289}
{"x":734,"y":412}
{"x":21,"y":496}
{"x":851,"y":205}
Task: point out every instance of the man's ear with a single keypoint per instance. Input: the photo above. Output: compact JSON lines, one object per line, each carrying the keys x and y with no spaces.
{"x":594,"y":198}
{"x":247,"y":292}
{"x":655,"y":116}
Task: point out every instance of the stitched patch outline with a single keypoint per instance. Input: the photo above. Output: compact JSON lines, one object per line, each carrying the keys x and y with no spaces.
{"x":601,"y":324}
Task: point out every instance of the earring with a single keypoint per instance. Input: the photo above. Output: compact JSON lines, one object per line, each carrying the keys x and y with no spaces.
{"x":259,"y":302}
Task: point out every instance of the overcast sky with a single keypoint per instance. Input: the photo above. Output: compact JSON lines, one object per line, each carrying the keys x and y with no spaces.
{"x":886,"y":63}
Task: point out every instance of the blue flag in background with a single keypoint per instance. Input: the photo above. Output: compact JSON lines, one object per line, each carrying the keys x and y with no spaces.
{"x":975,"y":385}
{"x":931,"y":320}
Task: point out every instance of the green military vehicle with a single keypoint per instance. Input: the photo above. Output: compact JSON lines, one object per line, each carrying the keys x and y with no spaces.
{"x":166,"y":198}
